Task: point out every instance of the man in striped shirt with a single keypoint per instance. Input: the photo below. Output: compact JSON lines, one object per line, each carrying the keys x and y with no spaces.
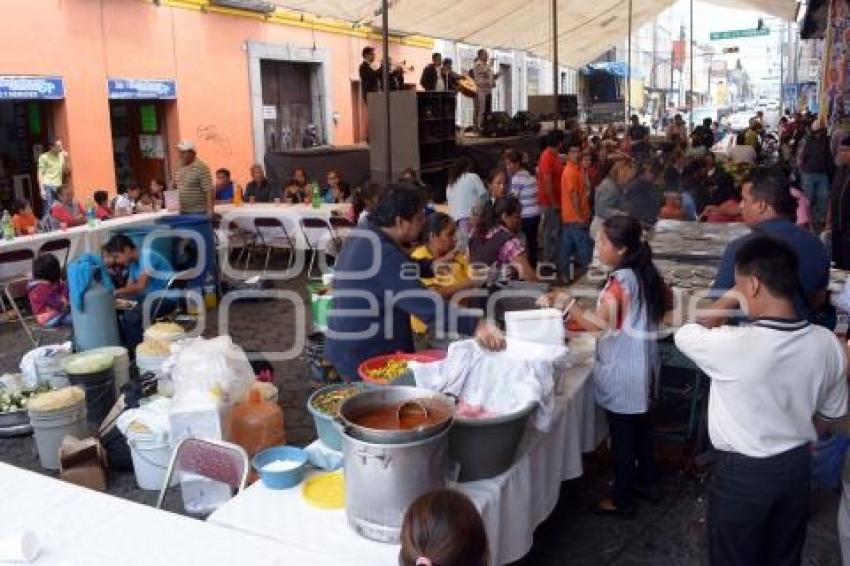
{"x":194,"y":182}
{"x":523,"y":186}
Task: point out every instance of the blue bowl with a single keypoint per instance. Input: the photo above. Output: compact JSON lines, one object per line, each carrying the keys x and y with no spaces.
{"x":282,"y":479}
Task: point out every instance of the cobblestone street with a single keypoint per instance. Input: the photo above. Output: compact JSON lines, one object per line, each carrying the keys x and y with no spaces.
{"x":670,"y":533}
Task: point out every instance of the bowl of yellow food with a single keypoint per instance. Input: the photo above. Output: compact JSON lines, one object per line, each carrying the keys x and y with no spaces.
{"x":391,"y":369}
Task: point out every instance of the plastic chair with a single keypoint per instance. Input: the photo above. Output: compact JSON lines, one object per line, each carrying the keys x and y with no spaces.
{"x":232,"y":237}
{"x":212,"y":459}
{"x":57,"y":246}
{"x":341,"y":226}
{"x":314,"y":246}
{"x":267,"y":243}
{"x":13,"y":257}
{"x":178,"y":277}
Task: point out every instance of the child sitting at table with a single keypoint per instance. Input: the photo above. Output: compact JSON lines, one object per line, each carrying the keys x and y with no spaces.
{"x":443,"y":528}
{"x":48,"y":294}
{"x":145,"y":202}
{"x":101,"y":208}
{"x":23,"y":218}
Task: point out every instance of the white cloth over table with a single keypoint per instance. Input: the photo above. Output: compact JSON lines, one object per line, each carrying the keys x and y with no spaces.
{"x":83,"y":239}
{"x":289,"y":214}
{"x":81,"y":527}
{"x":512,"y":504}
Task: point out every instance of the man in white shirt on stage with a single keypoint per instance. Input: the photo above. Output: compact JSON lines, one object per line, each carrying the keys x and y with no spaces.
{"x":772,"y":379}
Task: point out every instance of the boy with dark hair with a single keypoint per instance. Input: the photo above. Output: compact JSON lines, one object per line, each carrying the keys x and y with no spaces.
{"x":771,"y":380}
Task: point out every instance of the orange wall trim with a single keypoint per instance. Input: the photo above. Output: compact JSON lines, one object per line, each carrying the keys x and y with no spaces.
{"x":203,"y":49}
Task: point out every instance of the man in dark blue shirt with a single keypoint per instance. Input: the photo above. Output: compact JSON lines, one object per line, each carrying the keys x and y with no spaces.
{"x":767,"y":206}
{"x":377,"y":289}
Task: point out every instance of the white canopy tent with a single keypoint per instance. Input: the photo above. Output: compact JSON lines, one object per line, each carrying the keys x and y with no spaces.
{"x":585,"y":28}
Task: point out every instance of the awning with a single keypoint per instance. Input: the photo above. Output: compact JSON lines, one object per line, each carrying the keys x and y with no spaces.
{"x":585,"y":29}
{"x":617,"y":68}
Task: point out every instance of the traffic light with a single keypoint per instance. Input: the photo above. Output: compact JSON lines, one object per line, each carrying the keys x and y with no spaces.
{"x":761,"y":24}
{"x":731,"y":49}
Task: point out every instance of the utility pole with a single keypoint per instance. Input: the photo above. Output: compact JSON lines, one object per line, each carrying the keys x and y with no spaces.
{"x":692,"y":46}
{"x":556,"y":73}
{"x":629,"y":68}
{"x":385,"y":17}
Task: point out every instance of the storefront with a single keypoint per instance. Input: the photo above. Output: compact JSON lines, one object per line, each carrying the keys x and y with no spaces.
{"x":27,"y":108}
{"x":138,"y":110}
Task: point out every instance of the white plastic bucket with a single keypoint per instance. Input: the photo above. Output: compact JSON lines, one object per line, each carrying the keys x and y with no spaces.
{"x":121,"y":364}
{"x":50,"y":427}
{"x":150,"y":363}
{"x":150,"y":462}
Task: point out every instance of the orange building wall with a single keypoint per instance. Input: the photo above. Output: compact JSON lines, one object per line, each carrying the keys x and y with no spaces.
{"x":86,"y":41}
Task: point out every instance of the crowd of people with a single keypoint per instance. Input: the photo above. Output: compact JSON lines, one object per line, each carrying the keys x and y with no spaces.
{"x":602,"y":193}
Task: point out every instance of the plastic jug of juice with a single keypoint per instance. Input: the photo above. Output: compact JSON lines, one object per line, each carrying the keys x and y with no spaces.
{"x":256,"y":424}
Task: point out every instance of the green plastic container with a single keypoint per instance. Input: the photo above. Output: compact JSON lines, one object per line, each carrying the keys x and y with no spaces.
{"x":320,"y":305}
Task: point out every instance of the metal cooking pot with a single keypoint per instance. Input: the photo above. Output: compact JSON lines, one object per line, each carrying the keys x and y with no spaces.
{"x":382,"y":480}
{"x":364,"y":403}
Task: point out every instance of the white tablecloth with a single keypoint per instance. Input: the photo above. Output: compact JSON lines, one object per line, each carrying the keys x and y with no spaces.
{"x":81,"y":527}
{"x":512,"y":505}
{"x":289,"y":214}
{"x":83,"y":239}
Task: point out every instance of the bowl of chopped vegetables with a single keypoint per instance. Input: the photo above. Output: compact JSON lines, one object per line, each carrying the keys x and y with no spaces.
{"x":324,"y":405}
{"x":13,"y":407}
{"x":391,"y":369}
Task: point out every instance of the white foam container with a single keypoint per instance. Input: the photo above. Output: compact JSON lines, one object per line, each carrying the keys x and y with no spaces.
{"x":543,"y":326}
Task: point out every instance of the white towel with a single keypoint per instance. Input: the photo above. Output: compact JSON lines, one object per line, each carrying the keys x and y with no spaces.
{"x":499,"y":382}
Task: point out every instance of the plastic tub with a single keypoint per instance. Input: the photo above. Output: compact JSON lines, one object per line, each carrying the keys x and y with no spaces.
{"x":405,"y":378}
{"x":184,"y":253}
{"x":150,"y":461}
{"x":326,"y":429}
{"x":50,"y":427}
{"x":92,"y":371}
{"x":100,"y":393}
{"x":121,"y":363}
{"x":281,"y":479}
{"x":485,"y":448}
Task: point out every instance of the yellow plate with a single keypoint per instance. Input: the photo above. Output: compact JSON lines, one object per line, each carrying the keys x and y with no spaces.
{"x":325,"y":491}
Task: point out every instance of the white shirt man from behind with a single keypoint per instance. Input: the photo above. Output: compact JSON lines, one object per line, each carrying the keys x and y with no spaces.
{"x":771,"y":379}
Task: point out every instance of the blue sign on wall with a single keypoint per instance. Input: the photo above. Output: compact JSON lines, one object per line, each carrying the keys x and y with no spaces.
{"x":142,"y":89}
{"x":25,"y":87}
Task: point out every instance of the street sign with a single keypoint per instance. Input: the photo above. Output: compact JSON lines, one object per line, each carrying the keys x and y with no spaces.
{"x":25,"y":87}
{"x":739,"y":33}
{"x":142,"y":89}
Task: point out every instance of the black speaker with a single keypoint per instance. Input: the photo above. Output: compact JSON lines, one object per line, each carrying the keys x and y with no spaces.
{"x":499,"y":125}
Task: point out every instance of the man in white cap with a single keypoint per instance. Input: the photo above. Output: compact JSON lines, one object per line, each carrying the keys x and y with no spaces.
{"x":193,"y":181}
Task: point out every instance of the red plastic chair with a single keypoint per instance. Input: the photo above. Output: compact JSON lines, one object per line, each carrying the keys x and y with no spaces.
{"x":213,"y":459}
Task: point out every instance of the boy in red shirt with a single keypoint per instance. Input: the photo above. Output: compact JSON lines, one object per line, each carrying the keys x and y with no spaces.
{"x":549,"y":169}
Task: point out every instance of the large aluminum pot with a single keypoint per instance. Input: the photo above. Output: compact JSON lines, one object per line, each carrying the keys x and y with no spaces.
{"x":382,"y":480}
{"x":393,"y":396}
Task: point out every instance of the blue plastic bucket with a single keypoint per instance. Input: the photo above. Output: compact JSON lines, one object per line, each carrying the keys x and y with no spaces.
{"x":183,"y":251}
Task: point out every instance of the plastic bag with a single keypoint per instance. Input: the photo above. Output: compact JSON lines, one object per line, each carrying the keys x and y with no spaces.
{"x":28,"y":362}
{"x":216,"y":367}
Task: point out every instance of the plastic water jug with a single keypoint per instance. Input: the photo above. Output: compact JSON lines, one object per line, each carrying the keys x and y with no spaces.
{"x":256,"y":424}
{"x":97,"y":324}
